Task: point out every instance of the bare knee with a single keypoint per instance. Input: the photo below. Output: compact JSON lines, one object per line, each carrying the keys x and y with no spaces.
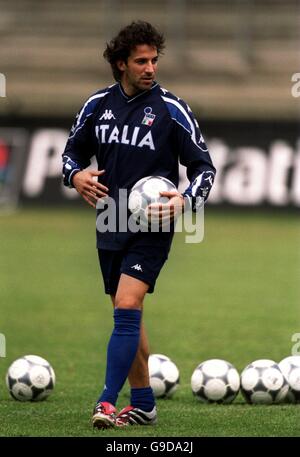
{"x":128,"y":302}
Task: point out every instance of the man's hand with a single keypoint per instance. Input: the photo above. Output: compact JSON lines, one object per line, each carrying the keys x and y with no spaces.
{"x":166,"y":212}
{"x":88,"y":188}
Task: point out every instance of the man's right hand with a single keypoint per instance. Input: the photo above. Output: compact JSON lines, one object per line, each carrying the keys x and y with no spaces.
{"x":89,"y":188}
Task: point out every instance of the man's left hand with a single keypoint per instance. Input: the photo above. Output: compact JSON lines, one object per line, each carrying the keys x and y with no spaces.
{"x":169,"y":211}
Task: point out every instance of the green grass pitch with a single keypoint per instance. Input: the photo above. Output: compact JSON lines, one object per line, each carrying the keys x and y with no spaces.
{"x":234,"y":296}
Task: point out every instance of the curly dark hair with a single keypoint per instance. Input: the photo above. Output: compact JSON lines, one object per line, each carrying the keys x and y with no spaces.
{"x":134,"y":34}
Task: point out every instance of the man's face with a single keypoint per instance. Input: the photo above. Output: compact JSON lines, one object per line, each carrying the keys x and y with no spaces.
{"x":139,"y":70}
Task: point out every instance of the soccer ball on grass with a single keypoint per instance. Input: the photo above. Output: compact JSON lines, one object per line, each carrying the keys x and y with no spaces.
{"x":215,"y":381}
{"x":164,"y":375}
{"x":262,"y":382}
{"x":290,"y":367}
{"x":30,"y":378}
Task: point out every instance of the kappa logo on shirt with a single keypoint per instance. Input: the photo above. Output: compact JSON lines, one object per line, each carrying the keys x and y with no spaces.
{"x":107,"y":115}
{"x":137,"y":267}
{"x":209,"y":179}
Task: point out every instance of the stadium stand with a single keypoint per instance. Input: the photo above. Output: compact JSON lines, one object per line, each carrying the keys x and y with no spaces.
{"x":231,"y":59}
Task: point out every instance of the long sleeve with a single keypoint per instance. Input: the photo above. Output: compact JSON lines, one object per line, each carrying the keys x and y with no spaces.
{"x":193,"y":152}
{"x":81,"y":143}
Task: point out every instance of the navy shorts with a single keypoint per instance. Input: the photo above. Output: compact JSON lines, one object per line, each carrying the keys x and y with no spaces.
{"x":140,"y":262}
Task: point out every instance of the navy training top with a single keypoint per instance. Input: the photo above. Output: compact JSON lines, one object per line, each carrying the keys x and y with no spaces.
{"x":131,"y":138}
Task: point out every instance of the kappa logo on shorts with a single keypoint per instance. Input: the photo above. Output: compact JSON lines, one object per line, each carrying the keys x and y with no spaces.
{"x":137,"y":267}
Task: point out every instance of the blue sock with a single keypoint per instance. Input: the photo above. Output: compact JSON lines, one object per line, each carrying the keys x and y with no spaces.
{"x":142,"y":398}
{"x":121,"y":351}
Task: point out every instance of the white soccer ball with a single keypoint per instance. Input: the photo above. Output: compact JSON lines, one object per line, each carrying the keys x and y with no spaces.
{"x":164,"y":375}
{"x":30,"y":378}
{"x":144,"y":192}
{"x":290,"y":367}
{"x":215,"y":381}
{"x":262,"y":382}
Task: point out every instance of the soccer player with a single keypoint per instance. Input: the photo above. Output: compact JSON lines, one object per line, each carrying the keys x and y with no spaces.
{"x":135,"y":128}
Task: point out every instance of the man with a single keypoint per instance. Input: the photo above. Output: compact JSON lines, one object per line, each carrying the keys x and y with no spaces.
{"x":135,"y":129}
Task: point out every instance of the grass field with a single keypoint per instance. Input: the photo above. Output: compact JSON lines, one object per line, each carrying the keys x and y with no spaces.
{"x":234,"y":296}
